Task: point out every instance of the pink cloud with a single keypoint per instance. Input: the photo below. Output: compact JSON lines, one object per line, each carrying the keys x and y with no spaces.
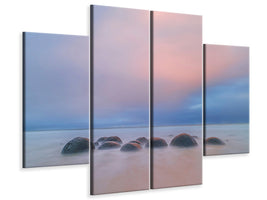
{"x":121,"y":69}
{"x":177,"y":57}
{"x":225,"y":62}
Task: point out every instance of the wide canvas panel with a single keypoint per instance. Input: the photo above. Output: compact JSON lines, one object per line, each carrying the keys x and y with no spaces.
{"x":226,"y":99}
{"x":176,"y":137}
{"x":119,"y":99}
{"x":55,"y":99}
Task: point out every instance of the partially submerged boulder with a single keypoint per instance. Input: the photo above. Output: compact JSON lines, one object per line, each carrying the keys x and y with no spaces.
{"x":142,"y":140}
{"x":102,"y":139}
{"x":135,"y":141}
{"x":76,"y":145}
{"x":157,"y":142}
{"x":109,"y":145}
{"x":214,"y":141}
{"x":96,"y":144}
{"x":114,"y":139}
{"x":131,"y":147}
{"x":183,"y":140}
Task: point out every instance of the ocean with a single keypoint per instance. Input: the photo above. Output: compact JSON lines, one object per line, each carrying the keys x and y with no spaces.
{"x":43,"y":148}
{"x":235,"y":137}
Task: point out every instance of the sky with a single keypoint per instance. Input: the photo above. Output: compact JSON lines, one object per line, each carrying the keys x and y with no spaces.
{"x":121,"y":67}
{"x":177,"y":69}
{"x":227,"y":84}
{"x":56,"y":81}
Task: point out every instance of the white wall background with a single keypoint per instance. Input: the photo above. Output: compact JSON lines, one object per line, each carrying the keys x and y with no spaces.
{"x":236,"y":22}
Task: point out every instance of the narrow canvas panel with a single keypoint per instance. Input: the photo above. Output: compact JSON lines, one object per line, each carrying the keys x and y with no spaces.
{"x":120,"y":99}
{"x":226,"y":99}
{"x":55,"y":99}
{"x":176,"y":137}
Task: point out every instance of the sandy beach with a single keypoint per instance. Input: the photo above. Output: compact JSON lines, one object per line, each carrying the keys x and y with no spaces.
{"x":175,"y":166}
{"x":116,"y":171}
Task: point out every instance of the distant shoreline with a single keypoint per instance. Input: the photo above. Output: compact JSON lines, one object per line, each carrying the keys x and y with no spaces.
{"x":227,"y":124}
{"x":79,"y":129}
{"x":133,"y":127}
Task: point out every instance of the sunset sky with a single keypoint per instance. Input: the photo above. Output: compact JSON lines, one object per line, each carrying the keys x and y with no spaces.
{"x":177,"y":69}
{"x":121,"y":67}
{"x":227,"y":79}
{"x":56,"y":81}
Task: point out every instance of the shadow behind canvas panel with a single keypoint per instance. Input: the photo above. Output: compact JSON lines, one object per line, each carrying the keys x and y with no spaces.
{"x":226,"y":99}
{"x":55,"y":99}
{"x":120,"y":99}
{"x":177,"y":100}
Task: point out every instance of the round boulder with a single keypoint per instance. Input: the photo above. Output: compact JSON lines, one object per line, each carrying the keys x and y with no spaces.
{"x":76,"y":145}
{"x":114,"y":139}
{"x":142,"y":140}
{"x":109,"y":145}
{"x":183,"y":140}
{"x":157,"y":142}
{"x":135,"y":141}
{"x":214,"y":141}
{"x":101,"y":139}
{"x":131,"y":147}
{"x":96,"y":144}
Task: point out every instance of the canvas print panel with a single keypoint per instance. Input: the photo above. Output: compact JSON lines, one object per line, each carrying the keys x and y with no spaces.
{"x":55,"y":99}
{"x":177,"y":100}
{"x":226,"y":99}
{"x":120,"y":99}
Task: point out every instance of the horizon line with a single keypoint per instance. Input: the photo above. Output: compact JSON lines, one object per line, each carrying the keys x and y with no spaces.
{"x":121,"y":127}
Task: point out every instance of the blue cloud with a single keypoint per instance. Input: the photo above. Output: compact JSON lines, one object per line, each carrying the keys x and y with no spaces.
{"x":228,"y":102}
{"x":189,"y":112}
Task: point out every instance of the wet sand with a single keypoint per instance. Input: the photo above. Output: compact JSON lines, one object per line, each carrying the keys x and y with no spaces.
{"x":116,"y":171}
{"x":175,"y":166}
